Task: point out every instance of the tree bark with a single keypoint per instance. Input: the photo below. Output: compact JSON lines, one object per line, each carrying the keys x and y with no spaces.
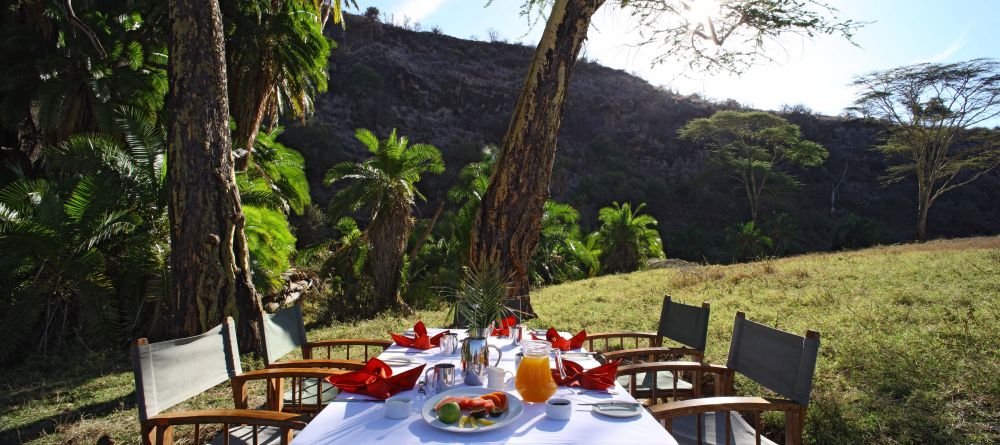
{"x":388,"y":234}
{"x":249,"y":105}
{"x":506,"y":229}
{"x":210,"y":273}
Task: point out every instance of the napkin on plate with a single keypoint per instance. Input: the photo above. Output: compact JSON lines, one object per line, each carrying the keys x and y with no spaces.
{"x":376,"y":380}
{"x":563,"y":344}
{"x":601,"y":377}
{"x":505,"y":325}
{"x":420,"y":338}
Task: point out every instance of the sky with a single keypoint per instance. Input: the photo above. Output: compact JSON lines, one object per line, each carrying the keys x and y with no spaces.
{"x":813,"y":72}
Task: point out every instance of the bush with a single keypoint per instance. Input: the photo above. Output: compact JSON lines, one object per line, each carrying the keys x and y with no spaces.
{"x":858,"y":231}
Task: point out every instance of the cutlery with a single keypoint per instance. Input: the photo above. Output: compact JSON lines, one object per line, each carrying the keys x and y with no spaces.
{"x":613,"y":403}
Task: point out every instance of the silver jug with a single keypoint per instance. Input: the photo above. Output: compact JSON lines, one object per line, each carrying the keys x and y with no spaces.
{"x":476,"y":358}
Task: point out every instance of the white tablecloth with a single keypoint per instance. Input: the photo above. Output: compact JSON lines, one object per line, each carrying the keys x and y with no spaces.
{"x":365,"y":423}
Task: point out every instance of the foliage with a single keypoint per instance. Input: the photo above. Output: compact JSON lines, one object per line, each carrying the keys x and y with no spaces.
{"x":857,"y":231}
{"x":480,"y":298}
{"x":271,"y":245}
{"x":276,"y":58}
{"x":276,"y":177}
{"x":930,"y":106}
{"x":85,"y":249}
{"x":66,"y":75}
{"x":748,"y":241}
{"x":627,"y":239}
{"x":753,"y":146}
{"x":563,"y":253}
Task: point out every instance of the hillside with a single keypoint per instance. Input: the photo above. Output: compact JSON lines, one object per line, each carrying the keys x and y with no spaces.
{"x":908,"y":352}
{"x":617,"y":143}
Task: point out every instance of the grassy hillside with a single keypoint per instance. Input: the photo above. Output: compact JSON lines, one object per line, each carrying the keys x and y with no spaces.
{"x":909,"y":351}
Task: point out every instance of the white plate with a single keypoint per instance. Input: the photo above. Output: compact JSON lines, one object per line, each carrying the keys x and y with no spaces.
{"x":618,"y":410}
{"x":399,"y":361}
{"x":514,"y":410}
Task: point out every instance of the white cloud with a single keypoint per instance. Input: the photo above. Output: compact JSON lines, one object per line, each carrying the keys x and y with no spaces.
{"x":416,"y":10}
{"x":946,"y":53}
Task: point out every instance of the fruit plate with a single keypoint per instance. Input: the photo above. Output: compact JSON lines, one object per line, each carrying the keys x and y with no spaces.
{"x":514,"y":410}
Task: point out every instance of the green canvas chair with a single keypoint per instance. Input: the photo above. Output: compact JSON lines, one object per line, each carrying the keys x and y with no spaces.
{"x":781,"y":362}
{"x":170,"y":372}
{"x":684,"y":325}
{"x":284,"y":331}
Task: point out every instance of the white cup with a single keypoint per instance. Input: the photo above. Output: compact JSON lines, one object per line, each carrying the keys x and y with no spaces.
{"x":496,"y":378}
{"x":558,"y":409}
{"x":398,"y":407}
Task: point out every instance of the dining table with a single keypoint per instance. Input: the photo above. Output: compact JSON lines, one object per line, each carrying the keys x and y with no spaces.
{"x":348,"y":420}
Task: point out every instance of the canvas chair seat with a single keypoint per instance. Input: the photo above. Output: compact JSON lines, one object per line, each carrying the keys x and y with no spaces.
{"x":243,"y":435}
{"x":714,"y":430}
{"x":309,"y":387}
{"x":664,"y":382}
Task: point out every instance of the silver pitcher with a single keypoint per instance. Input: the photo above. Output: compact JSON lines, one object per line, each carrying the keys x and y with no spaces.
{"x":476,"y":358}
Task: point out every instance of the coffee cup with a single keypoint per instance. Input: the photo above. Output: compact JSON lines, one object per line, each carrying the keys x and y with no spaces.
{"x":496,"y":378}
{"x":558,"y":409}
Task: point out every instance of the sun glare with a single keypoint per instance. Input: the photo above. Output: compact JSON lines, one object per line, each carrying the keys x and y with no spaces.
{"x":700,"y":12}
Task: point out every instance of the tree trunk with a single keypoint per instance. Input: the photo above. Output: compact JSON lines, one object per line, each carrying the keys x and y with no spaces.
{"x":923,"y":208}
{"x":209,"y":261}
{"x":507,"y":226}
{"x":249,"y":104}
{"x":388,"y":234}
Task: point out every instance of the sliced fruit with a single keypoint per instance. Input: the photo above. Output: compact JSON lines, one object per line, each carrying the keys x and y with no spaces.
{"x":485,"y":422}
{"x":496,"y":412}
{"x":477,"y":413}
{"x":493,"y":398}
{"x":462,"y":420}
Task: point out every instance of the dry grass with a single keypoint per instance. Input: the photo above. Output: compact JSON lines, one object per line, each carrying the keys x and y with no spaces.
{"x":909,"y":352}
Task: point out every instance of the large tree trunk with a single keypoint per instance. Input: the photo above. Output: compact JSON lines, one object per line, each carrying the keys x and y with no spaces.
{"x":388,"y":234}
{"x":507,"y":226}
{"x":209,"y":261}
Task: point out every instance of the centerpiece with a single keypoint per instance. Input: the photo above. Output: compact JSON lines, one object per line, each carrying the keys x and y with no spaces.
{"x":480,"y":302}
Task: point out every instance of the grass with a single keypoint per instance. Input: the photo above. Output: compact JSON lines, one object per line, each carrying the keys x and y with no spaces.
{"x":909,"y":343}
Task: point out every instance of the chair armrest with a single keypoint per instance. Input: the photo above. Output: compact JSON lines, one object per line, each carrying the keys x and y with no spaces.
{"x":275,"y":384}
{"x":653,"y":352}
{"x":722,"y":384}
{"x":653,"y":338}
{"x":319,"y":363}
{"x":229,"y":416}
{"x":307,"y":348}
{"x":711,"y":404}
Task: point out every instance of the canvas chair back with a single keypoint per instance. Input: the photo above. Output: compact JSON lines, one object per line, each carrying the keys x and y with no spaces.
{"x":777,"y":360}
{"x":283,"y":331}
{"x":684,"y":324}
{"x":170,"y":372}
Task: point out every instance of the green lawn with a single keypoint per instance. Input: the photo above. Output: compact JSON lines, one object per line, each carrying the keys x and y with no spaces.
{"x":909,"y":343}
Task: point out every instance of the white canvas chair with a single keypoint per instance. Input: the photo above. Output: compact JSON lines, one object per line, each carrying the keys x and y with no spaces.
{"x":170,"y":372}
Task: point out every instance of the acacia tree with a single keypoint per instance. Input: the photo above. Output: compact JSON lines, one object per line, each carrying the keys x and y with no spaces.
{"x":209,"y":262}
{"x":753,"y":146}
{"x":506,"y":231}
{"x":929,"y":108}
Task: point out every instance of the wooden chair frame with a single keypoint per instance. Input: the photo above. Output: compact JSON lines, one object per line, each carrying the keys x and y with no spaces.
{"x":722,"y":400}
{"x":654,"y":345}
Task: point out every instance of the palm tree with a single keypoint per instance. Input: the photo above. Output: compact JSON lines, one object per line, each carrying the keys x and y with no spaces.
{"x":562,"y":254}
{"x":627,"y":238}
{"x":473,"y":180}
{"x":385,"y":183}
{"x":276,"y":61}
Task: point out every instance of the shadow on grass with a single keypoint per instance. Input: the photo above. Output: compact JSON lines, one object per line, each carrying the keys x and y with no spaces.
{"x":49,"y":425}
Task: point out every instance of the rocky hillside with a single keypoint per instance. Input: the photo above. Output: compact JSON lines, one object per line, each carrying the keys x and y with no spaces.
{"x":617,"y":143}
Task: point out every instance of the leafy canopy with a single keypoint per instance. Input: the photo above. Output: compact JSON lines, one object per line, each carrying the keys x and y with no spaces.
{"x":388,"y":179}
{"x":627,"y":238}
{"x":752,"y":146}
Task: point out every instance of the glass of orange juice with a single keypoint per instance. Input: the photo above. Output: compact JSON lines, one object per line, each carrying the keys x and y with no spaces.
{"x":534,"y":377}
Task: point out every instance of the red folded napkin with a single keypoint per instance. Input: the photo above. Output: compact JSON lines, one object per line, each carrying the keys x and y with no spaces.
{"x":564,"y":344}
{"x":420,"y":339}
{"x":601,"y":377}
{"x":505,"y":325}
{"x":376,"y":380}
